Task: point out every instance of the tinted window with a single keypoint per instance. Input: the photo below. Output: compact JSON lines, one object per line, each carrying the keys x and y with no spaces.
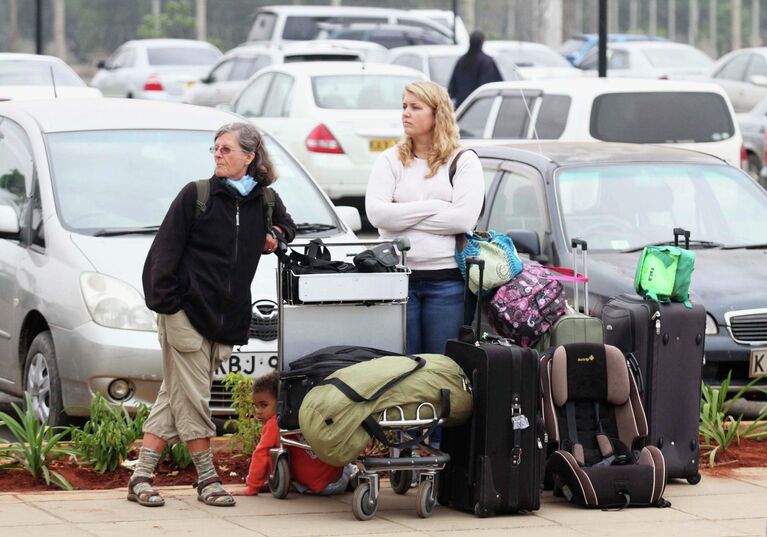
{"x":518,"y":204}
{"x":278,"y":101}
{"x":441,"y":68}
{"x":474,"y":118}
{"x":182,"y":56}
{"x":735,"y":69}
{"x":552,"y":116}
{"x":391,"y":38}
{"x":36,"y":73}
{"x":308,"y":28}
{"x":513,"y":117}
{"x":661,"y":117}
{"x":359,"y":91}
{"x":251,"y":102}
{"x":409,"y":60}
{"x":16,"y":166}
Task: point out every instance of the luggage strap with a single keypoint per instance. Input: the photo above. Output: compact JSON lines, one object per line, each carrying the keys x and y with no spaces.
{"x":572,"y":427}
{"x":352,"y":394}
{"x":374,"y":429}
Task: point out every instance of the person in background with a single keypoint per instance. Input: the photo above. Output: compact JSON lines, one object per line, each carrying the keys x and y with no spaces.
{"x":197,"y":278}
{"x":472,"y":70}
{"x":309,"y":474}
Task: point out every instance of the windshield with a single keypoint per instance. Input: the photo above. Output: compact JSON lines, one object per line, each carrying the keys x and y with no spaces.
{"x":677,"y":57}
{"x":126,"y":179}
{"x":37,"y":73}
{"x":527,"y":57}
{"x":618,"y":207}
{"x":182,"y":56}
{"x":378,"y":92}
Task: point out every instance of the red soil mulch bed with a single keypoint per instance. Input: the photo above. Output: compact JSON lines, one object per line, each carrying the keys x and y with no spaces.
{"x":232,"y":468}
{"x":747,"y":454}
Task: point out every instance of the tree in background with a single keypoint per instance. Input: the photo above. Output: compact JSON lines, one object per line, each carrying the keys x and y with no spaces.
{"x":176,"y":20}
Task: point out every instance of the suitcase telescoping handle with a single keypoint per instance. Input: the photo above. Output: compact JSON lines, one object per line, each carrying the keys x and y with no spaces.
{"x":681,"y":232}
{"x":580,"y":245}
{"x":466,"y":332}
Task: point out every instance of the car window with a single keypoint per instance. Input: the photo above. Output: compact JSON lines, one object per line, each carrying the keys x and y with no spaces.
{"x":380,"y":92}
{"x":306,"y":28}
{"x":632,"y":205}
{"x":552,"y":116}
{"x":513,"y":117}
{"x":143,"y":170}
{"x":619,"y":59}
{"x":182,"y":56}
{"x":262,"y":27}
{"x":37,"y":73}
{"x":573,"y":44}
{"x":16,"y":166}
{"x":757,"y":67}
{"x":222,"y":71}
{"x":538,"y":57}
{"x":242,"y":68}
{"x":120,"y":58}
{"x":409,"y":60}
{"x":676,"y":57}
{"x":518,"y":204}
{"x":441,"y":68}
{"x":735,"y":69}
{"x":474,"y":119}
{"x":590,"y":61}
{"x":278,"y":99}
{"x":392,"y":38}
{"x":661,"y":117}
{"x":251,"y":101}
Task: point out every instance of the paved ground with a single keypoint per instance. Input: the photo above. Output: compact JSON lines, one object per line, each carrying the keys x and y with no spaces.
{"x":717,"y":507}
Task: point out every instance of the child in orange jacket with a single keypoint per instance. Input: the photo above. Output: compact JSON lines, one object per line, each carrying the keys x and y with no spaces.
{"x":308,"y":473}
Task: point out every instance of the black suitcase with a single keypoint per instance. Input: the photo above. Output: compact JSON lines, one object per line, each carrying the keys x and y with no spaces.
{"x":665,"y":347}
{"x":496,"y":459}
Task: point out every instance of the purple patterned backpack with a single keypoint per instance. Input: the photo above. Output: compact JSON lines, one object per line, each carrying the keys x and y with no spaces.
{"x":526,"y":307}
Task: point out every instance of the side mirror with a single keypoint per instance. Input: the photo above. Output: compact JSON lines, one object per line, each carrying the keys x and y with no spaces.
{"x":9,"y":222}
{"x":101,"y":64}
{"x":526,"y":241}
{"x":759,"y":80}
{"x":226,"y":107}
{"x":350,"y":216}
{"x":209,"y":79}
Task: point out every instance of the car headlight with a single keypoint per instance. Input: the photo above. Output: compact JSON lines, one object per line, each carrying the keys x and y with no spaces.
{"x":711,"y":327}
{"x":115,"y":304}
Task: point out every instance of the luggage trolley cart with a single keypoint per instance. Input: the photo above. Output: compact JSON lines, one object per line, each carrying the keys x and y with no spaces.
{"x":366,"y":309}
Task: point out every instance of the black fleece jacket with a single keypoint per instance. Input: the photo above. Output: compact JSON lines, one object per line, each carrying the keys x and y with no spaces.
{"x":205,"y":265}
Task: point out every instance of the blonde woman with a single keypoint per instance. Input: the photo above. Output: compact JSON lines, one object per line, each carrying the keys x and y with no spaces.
{"x":409,"y":195}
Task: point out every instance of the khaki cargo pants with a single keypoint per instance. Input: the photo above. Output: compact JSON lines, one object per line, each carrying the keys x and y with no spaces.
{"x":182,"y":408}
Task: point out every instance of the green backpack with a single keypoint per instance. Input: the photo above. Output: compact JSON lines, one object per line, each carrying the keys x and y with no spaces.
{"x":663,"y":274}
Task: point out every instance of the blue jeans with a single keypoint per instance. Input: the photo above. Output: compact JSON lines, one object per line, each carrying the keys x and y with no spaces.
{"x":434,"y":314}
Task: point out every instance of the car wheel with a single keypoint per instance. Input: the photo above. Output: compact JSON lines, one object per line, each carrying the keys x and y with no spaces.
{"x":41,"y":380}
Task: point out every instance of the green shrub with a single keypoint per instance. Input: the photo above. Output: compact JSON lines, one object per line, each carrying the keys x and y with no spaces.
{"x":107,"y":436}
{"x":37,"y":445}
{"x":247,"y":428}
{"x":718,"y":428}
{"x":177,"y":454}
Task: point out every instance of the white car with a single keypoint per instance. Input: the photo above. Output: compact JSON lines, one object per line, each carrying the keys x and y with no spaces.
{"x":88,"y":184}
{"x":690,"y":115}
{"x":650,"y":59}
{"x":157,"y":69}
{"x":438,"y":61}
{"x":335,"y":117}
{"x":34,"y":76}
{"x":533,"y":60}
{"x":446,"y":18}
{"x":230,"y":74}
{"x":742,"y":74}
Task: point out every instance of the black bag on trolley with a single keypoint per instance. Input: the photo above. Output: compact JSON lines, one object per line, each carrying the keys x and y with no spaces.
{"x":497,"y":458}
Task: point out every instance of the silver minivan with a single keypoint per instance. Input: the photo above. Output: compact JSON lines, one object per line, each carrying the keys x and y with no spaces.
{"x":84,"y":185}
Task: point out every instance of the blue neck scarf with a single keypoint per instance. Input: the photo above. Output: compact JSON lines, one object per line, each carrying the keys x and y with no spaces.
{"x":244,"y":186}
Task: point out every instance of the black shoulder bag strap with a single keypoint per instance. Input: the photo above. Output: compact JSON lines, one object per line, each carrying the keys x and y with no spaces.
{"x":203,"y":195}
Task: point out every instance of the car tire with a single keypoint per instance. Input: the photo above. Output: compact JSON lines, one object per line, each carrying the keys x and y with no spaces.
{"x":42,"y":381}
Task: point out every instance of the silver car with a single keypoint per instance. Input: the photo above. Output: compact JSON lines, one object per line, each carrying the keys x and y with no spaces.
{"x":84,"y":185}
{"x":157,"y":69}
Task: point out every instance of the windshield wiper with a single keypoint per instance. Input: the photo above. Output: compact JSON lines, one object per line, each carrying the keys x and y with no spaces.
{"x":306,"y":227}
{"x":746,"y":247}
{"x":701,"y":244}
{"x":111,"y":232}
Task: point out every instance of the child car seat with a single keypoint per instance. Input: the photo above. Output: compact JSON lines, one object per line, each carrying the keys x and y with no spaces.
{"x":595,"y":421}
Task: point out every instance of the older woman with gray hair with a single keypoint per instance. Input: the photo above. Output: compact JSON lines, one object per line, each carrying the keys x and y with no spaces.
{"x":197,"y":278}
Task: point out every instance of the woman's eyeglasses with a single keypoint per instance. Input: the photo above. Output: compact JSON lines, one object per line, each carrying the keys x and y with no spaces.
{"x":225,"y":149}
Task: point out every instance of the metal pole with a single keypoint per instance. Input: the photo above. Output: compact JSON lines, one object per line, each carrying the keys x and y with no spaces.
{"x":39,"y":27}
{"x":602,"y":38}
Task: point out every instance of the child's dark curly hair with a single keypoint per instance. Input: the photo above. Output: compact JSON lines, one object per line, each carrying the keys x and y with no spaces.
{"x":267,"y":383}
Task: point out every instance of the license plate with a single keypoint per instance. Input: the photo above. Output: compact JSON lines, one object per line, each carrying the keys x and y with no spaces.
{"x":250,"y":364}
{"x":382,"y":144}
{"x":757,"y":364}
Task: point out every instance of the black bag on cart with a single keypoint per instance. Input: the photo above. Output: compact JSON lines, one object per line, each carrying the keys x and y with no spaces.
{"x":665,"y":343}
{"x":308,"y":371}
{"x":496,"y":459}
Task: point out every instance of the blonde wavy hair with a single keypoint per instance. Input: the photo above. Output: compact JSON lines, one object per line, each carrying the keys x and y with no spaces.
{"x":445,"y":139}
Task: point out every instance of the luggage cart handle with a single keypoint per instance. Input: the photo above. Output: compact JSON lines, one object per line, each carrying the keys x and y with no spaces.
{"x":681,"y":232}
{"x":582,"y":246}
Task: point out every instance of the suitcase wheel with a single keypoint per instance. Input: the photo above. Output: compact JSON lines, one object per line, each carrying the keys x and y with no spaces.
{"x":363,"y":507}
{"x":279,"y":483}
{"x":480,"y":512}
{"x":694,"y":479}
{"x":426,"y":498}
{"x":400,"y":480}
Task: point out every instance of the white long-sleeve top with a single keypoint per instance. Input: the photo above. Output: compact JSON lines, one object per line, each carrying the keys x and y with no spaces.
{"x":401,"y":202}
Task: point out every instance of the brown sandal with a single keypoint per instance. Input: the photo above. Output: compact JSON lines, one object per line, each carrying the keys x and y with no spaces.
{"x":209,"y":498}
{"x":145,"y":496}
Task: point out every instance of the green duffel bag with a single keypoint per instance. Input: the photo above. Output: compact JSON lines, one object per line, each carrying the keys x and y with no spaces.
{"x":339,"y":415}
{"x":663,"y":274}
